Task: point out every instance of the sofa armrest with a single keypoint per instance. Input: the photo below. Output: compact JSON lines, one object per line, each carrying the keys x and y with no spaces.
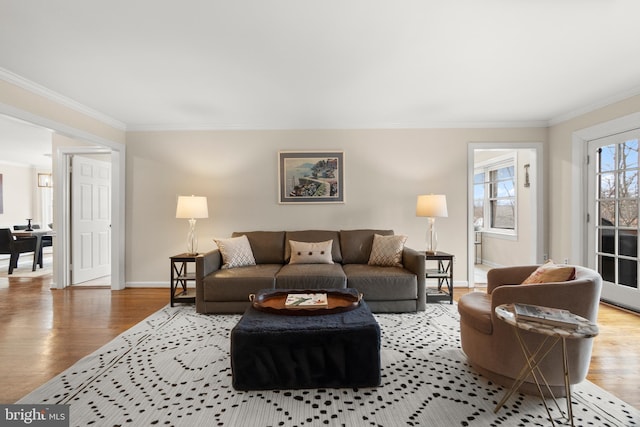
{"x":212,"y":261}
{"x":508,"y":276}
{"x":205,"y":265}
{"x":414,"y":261}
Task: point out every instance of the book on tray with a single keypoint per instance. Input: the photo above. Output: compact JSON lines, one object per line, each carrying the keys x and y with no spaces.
{"x":306,"y":300}
{"x":548,"y":315}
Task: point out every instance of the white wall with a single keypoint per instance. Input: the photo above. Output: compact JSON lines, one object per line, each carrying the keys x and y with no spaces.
{"x":237,"y":171}
{"x":19,"y":190}
{"x":561,"y":181}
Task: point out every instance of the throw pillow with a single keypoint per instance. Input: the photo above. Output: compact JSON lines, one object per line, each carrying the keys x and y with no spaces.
{"x":387,"y":250}
{"x":550,"y":273}
{"x":311,"y":253}
{"x":236,"y":252}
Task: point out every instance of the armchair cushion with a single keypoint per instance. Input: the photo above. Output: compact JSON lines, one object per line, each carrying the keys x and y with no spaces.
{"x":477,"y":312}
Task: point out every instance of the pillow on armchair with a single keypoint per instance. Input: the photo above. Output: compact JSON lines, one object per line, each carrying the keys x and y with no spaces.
{"x":550,"y":273}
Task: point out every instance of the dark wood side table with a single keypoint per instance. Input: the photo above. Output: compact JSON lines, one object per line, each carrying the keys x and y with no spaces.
{"x":183,"y":271}
{"x":444,"y":275}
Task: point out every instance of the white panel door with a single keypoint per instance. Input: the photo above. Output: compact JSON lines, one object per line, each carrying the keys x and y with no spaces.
{"x":90,"y":219}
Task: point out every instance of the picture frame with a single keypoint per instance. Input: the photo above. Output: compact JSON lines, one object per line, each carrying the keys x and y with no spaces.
{"x":311,"y":177}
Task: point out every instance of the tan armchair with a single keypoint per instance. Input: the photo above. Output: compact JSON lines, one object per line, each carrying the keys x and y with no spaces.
{"x":490,"y":344}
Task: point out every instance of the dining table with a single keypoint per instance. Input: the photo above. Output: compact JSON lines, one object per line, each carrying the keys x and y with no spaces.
{"x":37,"y":233}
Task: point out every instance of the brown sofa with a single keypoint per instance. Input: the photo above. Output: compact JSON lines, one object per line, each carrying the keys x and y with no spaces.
{"x":385,"y":289}
{"x":490,"y":344}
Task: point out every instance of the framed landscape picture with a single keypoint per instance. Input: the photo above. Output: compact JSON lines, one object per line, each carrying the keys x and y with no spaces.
{"x":311,"y":176}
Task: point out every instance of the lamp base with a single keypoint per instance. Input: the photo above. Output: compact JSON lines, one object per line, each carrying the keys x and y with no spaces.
{"x":192,"y":239}
{"x":432,"y":237}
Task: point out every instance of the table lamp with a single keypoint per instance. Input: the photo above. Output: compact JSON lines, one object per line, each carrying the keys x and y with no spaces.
{"x":192,"y":207}
{"x":432,"y":206}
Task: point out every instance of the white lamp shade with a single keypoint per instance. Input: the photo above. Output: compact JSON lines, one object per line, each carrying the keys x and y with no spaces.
{"x":192,"y":207}
{"x":432,"y":205}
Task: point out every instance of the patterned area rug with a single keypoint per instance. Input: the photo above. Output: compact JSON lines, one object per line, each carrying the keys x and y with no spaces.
{"x":173,"y":369}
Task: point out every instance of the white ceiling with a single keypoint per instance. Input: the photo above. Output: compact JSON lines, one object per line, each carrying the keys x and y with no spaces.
{"x":282,"y":64}
{"x":23,"y":144}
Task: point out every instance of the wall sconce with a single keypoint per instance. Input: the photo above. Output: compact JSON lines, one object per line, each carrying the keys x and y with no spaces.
{"x":45,"y":180}
{"x":527,"y":183}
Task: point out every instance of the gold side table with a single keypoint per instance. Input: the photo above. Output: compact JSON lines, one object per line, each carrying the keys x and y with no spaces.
{"x":553,"y":335}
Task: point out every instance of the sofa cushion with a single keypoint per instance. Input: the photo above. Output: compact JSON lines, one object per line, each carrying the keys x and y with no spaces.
{"x":475,"y":311}
{"x":387,"y":250}
{"x":236,"y":252}
{"x":356,"y":244}
{"x":382,"y":283}
{"x":311,"y":276}
{"x":267,"y":246}
{"x":314,"y":236}
{"x":311,"y":252}
{"x":550,"y":273}
{"x":236,"y":284}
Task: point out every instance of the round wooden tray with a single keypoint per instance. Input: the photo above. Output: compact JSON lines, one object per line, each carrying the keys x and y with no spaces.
{"x":273,"y":302}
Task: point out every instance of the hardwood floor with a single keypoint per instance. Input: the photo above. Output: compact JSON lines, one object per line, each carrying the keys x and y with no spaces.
{"x":44,"y":331}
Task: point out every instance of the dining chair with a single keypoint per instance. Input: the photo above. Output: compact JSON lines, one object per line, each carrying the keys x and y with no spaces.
{"x":14,"y":247}
{"x":47,"y":241}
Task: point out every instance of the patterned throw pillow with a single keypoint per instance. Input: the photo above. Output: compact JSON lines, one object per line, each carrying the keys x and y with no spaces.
{"x":236,"y":252}
{"x":311,"y":253}
{"x":387,"y":250}
{"x":550,"y":273}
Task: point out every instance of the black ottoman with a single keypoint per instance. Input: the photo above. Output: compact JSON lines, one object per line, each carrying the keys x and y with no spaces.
{"x":273,"y":351}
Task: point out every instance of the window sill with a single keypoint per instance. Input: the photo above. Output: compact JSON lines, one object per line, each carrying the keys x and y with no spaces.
{"x":497,"y":234}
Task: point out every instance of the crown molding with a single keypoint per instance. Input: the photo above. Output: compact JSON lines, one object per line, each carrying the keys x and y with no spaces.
{"x":595,"y":106}
{"x":33,"y":87}
{"x":339,"y":126}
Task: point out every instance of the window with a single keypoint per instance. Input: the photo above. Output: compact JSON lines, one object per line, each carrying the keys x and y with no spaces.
{"x":617,"y":212}
{"x":495,"y":195}
{"x":612,"y":207}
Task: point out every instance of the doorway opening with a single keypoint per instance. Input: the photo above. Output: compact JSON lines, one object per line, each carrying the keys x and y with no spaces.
{"x":90,"y":220}
{"x":505,"y":207}
{"x":99,"y":247}
{"x":61,"y":195}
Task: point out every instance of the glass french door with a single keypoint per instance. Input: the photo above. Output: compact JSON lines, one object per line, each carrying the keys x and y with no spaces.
{"x":613,"y":208}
